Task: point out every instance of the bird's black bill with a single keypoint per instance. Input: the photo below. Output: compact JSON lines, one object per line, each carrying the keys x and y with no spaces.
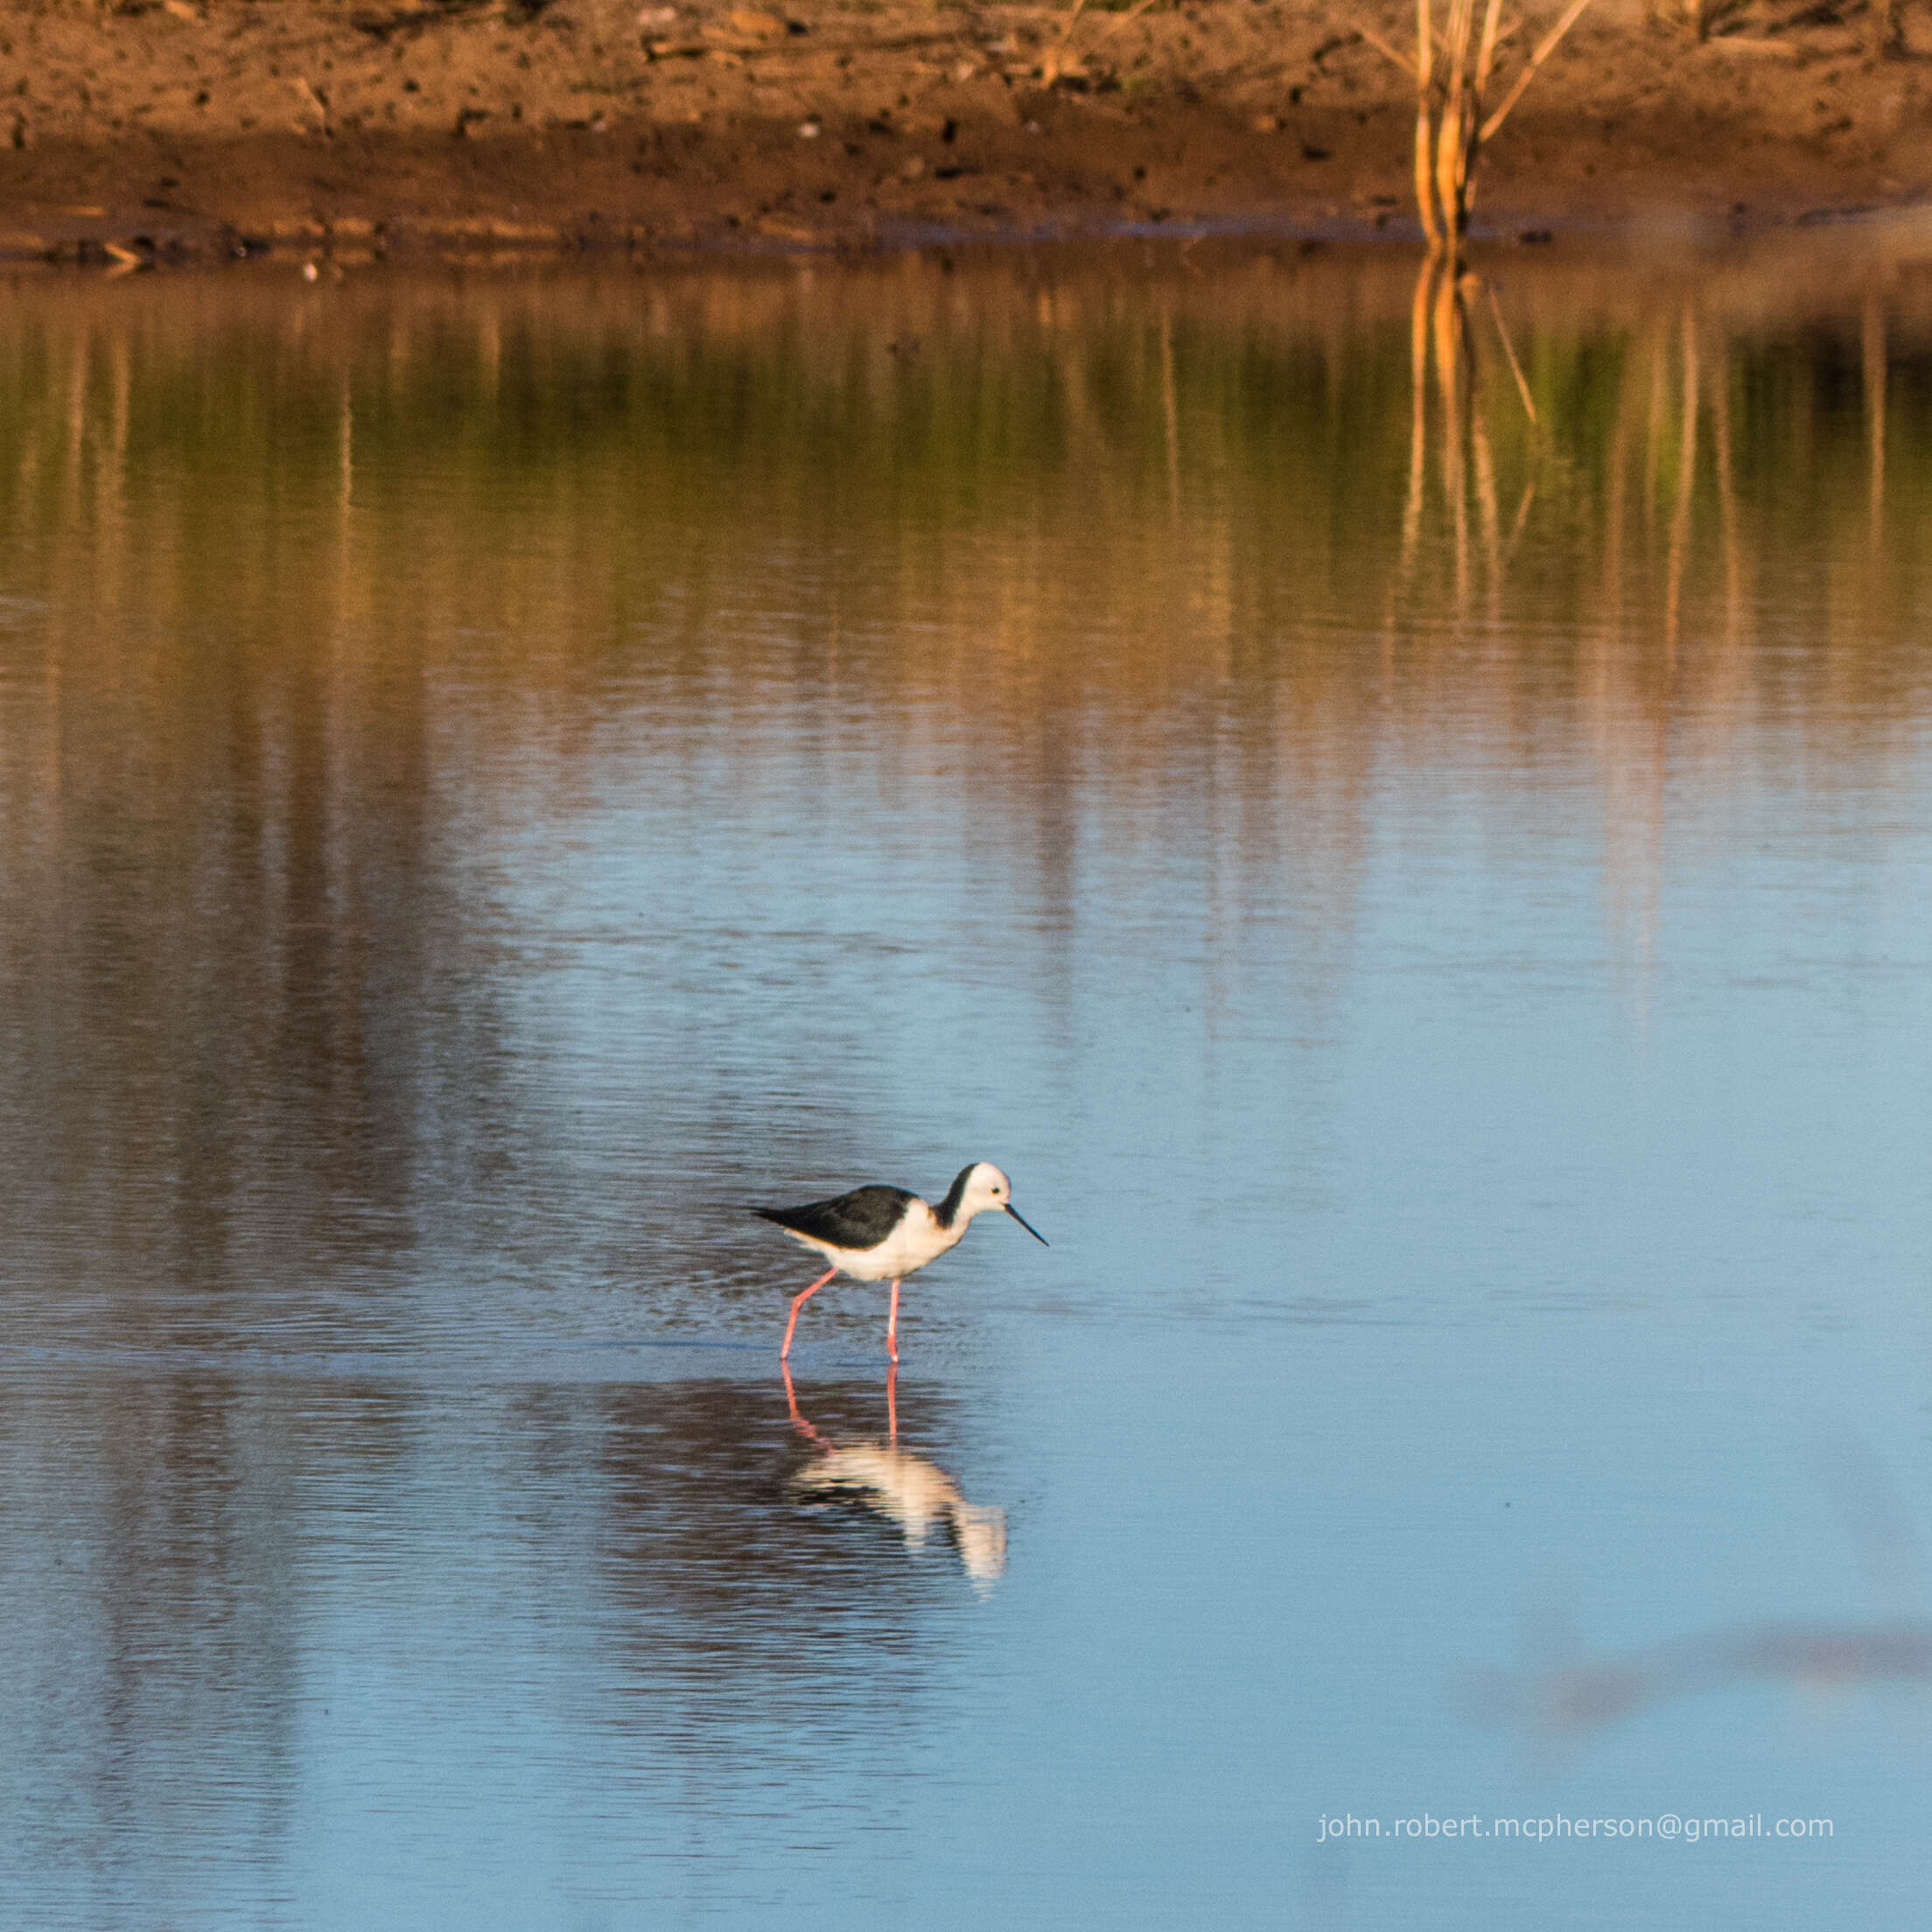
{"x":1028,"y":1226}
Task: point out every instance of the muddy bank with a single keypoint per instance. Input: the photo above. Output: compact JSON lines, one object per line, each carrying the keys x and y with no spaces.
{"x":187,"y":132}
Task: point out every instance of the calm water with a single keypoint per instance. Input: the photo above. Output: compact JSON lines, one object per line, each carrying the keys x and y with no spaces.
{"x":1433,"y":911}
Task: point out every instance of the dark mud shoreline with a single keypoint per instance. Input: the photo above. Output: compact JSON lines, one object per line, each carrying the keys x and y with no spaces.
{"x":181,"y":133}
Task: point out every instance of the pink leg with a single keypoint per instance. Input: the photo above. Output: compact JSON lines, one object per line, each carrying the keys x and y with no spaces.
{"x":798,"y":1302}
{"x":791,"y":1397}
{"x":892,"y":1402}
{"x":892,"y":1327}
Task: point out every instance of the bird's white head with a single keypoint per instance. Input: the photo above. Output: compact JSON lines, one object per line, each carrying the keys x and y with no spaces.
{"x":983,"y":1185}
{"x":986,"y":1186}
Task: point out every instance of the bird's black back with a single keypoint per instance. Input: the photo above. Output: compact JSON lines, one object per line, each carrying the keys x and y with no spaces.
{"x":861,"y":1219}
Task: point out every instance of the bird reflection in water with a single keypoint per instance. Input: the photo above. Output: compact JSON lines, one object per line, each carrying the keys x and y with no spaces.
{"x":907,"y":1489}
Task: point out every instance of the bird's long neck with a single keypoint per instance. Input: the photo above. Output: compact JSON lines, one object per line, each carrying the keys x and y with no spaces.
{"x":948,"y":1211}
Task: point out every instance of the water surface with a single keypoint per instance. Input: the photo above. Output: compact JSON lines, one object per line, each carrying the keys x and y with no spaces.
{"x":1431,"y":907}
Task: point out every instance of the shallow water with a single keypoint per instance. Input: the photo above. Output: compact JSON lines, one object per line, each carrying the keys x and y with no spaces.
{"x":1431,"y":910}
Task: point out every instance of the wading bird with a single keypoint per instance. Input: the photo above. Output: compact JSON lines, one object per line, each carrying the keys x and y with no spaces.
{"x":881,"y":1234}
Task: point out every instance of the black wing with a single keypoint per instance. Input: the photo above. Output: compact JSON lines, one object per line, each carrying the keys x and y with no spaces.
{"x":861,"y":1219}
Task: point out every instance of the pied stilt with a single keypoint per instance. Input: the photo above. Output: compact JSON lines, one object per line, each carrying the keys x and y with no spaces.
{"x":883,"y":1234}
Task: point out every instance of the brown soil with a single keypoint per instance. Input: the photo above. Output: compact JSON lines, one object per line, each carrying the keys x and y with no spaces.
{"x":183,"y":130}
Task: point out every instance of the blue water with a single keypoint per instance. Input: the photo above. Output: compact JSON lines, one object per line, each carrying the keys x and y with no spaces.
{"x":1466,"y":1047}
